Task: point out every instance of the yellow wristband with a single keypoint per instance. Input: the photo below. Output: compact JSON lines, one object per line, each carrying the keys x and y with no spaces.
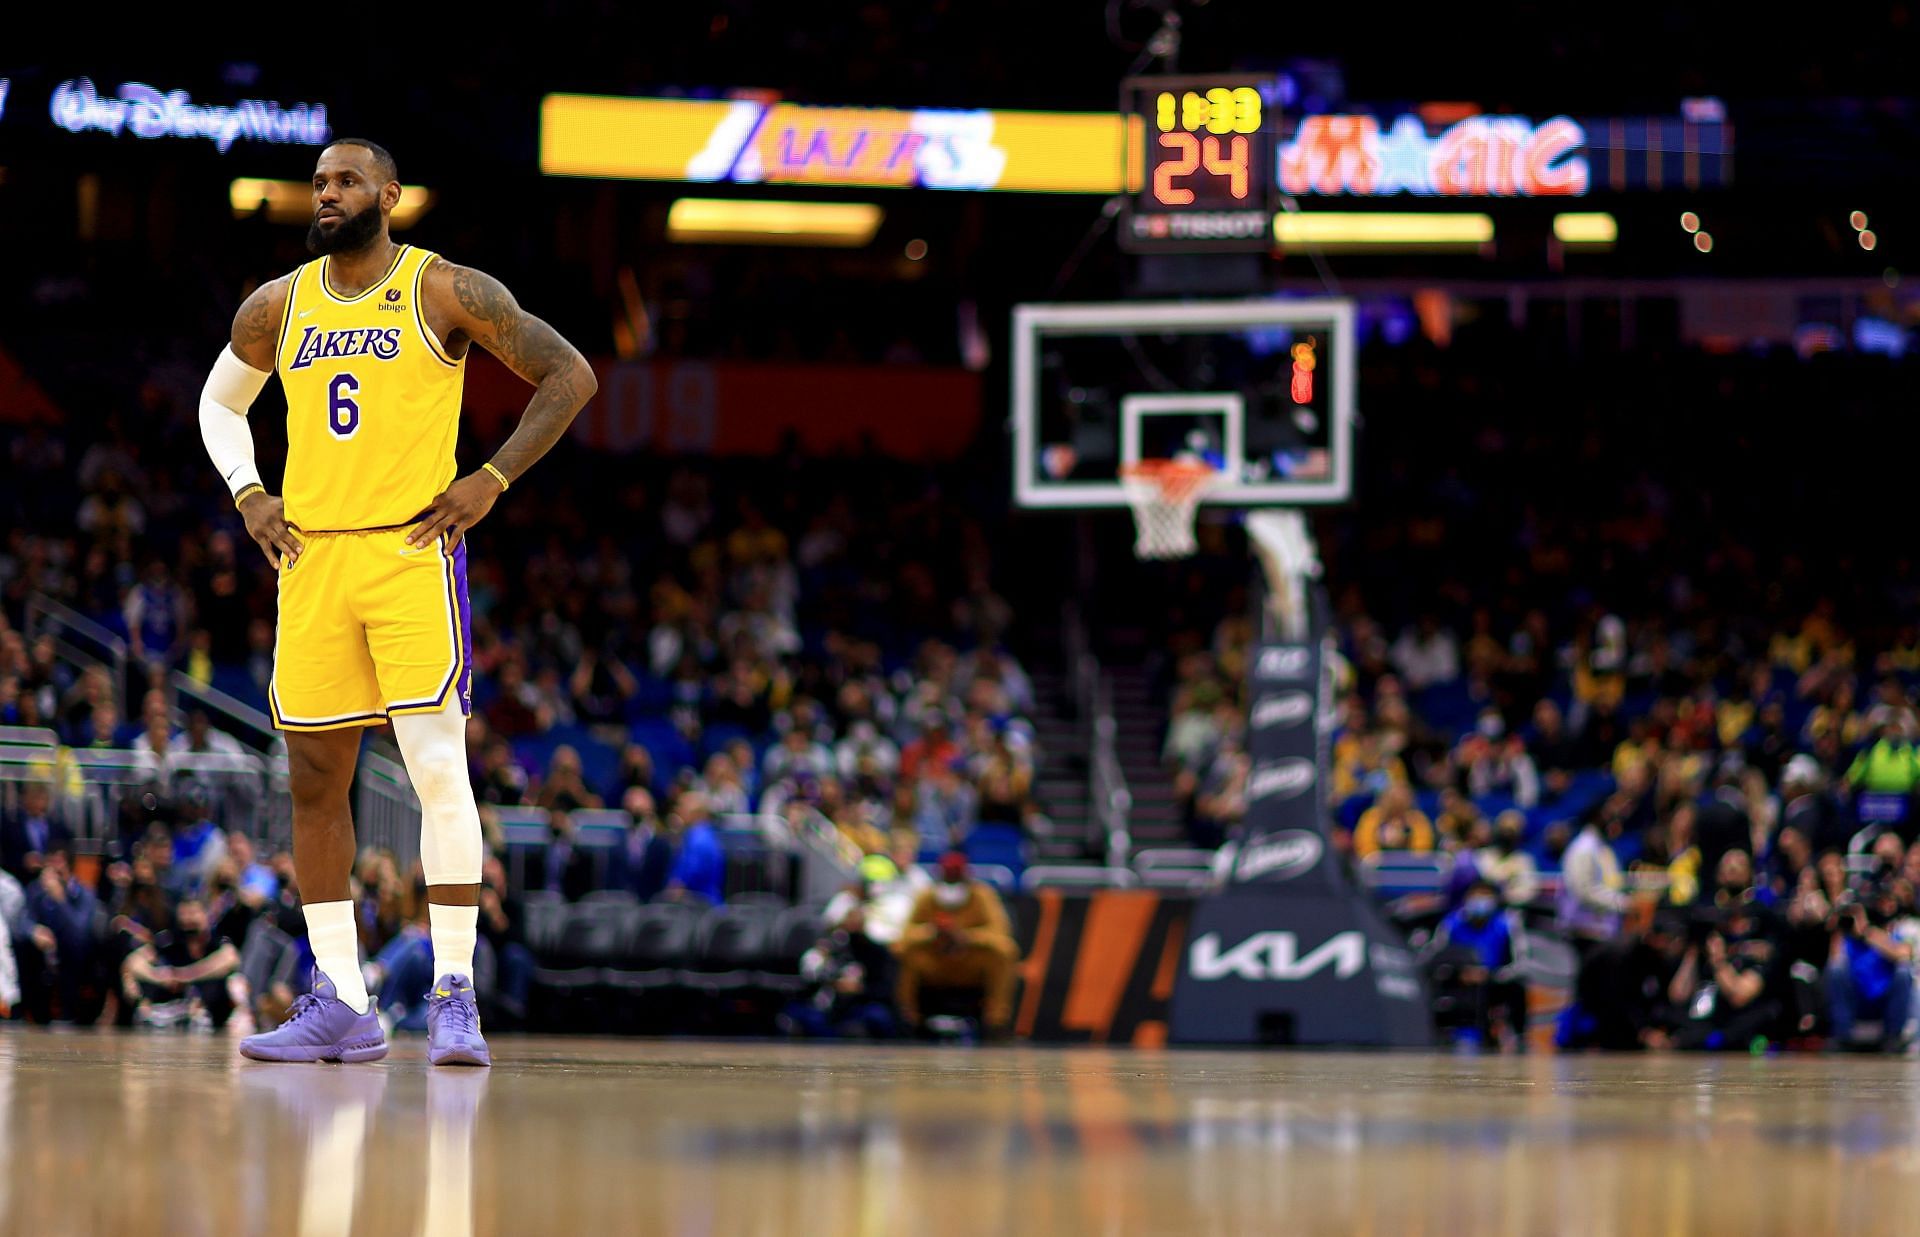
{"x":246,"y":490}
{"x":497,"y":475}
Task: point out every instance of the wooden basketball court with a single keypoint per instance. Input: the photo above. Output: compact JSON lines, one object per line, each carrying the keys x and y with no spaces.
{"x":106,"y":1133}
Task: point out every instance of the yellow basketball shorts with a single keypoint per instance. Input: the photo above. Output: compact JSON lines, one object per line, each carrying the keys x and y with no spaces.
{"x":370,"y":628}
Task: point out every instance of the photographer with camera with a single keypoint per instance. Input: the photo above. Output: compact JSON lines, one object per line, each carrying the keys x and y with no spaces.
{"x":851,"y":972}
{"x":1870,"y":977}
{"x":1470,"y":960}
{"x":1726,"y":983}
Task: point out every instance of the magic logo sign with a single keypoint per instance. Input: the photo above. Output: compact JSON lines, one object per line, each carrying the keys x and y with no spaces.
{"x":1481,"y":156}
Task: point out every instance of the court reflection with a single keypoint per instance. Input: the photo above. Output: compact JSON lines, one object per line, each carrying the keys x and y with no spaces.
{"x":366,"y":1156}
{"x":153,"y":1134}
{"x":324,"y":1114}
{"x":454,"y":1098}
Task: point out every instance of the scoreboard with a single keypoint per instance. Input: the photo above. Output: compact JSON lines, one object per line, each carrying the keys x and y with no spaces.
{"x":1199,"y":164}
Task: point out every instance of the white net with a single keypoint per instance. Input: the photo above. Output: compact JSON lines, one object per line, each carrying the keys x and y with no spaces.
{"x":1165,"y":496}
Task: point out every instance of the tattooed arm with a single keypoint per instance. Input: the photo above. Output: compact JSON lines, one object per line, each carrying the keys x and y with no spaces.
{"x":471,"y":307}
{"x":256,"y":327}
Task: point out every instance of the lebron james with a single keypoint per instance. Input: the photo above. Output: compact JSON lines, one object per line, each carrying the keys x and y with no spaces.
{"x":370,"y":341}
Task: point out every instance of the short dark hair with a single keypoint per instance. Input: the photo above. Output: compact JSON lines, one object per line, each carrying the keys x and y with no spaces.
{"x":382,"y":158}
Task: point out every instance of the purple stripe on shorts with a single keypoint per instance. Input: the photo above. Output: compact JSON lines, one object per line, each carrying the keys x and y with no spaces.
{"x":465,"y":685}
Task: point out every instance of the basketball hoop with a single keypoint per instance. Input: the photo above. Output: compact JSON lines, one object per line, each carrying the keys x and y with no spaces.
{"x":1165,"y":496}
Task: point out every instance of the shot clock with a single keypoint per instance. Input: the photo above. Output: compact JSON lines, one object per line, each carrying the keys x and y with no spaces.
{"x":1200,"y":156}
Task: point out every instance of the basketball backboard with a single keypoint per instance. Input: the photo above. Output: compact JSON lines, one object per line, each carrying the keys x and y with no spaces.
{"x":1261,"y":389}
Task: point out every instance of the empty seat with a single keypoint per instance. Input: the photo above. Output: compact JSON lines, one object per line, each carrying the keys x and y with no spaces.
{"x":730,"y":945}
{"x":569,"y":983}
{"x":546,"y":919}
{"x":659,"y":942}
{"x":643,"y":984}
{"x":588,"y":941}
{"x":997,"y":845}
{"x":789,"y":937}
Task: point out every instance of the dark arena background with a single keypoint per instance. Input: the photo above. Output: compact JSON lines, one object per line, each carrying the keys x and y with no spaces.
{"x":1170,"y":616}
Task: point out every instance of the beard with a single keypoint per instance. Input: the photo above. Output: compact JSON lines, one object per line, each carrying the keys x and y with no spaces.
{"x":351,"y":233}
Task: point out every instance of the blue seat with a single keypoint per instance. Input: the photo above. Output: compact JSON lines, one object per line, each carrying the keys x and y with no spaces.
{"x":1492,"y":805}
{"x":664,"y":742}
{"x":1003,"y":845}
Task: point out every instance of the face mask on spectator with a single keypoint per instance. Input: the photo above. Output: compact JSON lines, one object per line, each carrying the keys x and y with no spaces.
{"x":1481,"y":907}
{"x":952,"y":897}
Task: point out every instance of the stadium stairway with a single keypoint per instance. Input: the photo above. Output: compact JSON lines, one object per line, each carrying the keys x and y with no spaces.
{"x":1140,"y":718}
{"x":1060,"y":779}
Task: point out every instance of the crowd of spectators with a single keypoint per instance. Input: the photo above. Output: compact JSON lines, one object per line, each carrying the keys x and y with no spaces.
{"x":676,"y":645}
{"x":1732,"y":818}
{"x":1670,"y":677}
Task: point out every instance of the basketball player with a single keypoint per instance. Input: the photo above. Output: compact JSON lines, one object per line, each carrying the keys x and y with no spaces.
{"x":370,"y":342}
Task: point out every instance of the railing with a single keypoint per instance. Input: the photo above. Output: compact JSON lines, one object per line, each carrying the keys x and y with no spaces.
{"x":91,"y":788}
{"x":1110,"y":801}
{"x":229,"y":713}
{"x":78,"y":639}
{"x":1106,"y":783}
{"x":827,"y":861}
{"x":766,"y":855}
{"x":386,"y":812}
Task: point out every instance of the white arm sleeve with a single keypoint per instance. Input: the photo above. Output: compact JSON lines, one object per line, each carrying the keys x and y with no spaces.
{"x":231,"y":389}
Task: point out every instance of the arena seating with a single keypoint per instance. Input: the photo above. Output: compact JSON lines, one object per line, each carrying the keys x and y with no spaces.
{"x":607,"y":963}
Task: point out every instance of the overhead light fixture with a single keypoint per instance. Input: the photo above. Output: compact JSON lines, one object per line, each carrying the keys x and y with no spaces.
{"x":1586,"y":229}
{"x":1338,"y":231}
{"x":738,"y":221}
{"x":291,"y":201}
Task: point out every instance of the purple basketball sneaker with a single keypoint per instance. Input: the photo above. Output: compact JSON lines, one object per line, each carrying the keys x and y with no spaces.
{"x":320,"y":1027}
{"x":453,"y":1024}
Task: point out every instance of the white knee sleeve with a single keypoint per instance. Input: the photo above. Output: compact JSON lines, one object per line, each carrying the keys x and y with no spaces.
{"x":435,"y":748}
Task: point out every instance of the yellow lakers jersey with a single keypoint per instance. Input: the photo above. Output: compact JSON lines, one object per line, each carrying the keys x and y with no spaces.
{"x":373,"y":400}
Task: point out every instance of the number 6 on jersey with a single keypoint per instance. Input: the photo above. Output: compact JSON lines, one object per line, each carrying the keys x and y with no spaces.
{"x":343,"y":412}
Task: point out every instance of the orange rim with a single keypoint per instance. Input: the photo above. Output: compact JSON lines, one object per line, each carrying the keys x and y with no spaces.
{"x":1177,"y":479}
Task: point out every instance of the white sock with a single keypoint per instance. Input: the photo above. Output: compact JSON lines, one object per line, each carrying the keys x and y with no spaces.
{"x":336,"y":950}
{"x":455,"y":931}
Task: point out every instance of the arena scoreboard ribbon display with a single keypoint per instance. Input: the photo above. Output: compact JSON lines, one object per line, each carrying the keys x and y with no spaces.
{"x":1201,"y":164}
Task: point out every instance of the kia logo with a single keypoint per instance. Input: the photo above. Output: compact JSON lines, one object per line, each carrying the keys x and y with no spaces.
{"x":1276,"y":956}
{"x":1286,"y":709}
{"x":1281,"y":778}
{"x":1283,"y":663}
{"x":1281,"y":856}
